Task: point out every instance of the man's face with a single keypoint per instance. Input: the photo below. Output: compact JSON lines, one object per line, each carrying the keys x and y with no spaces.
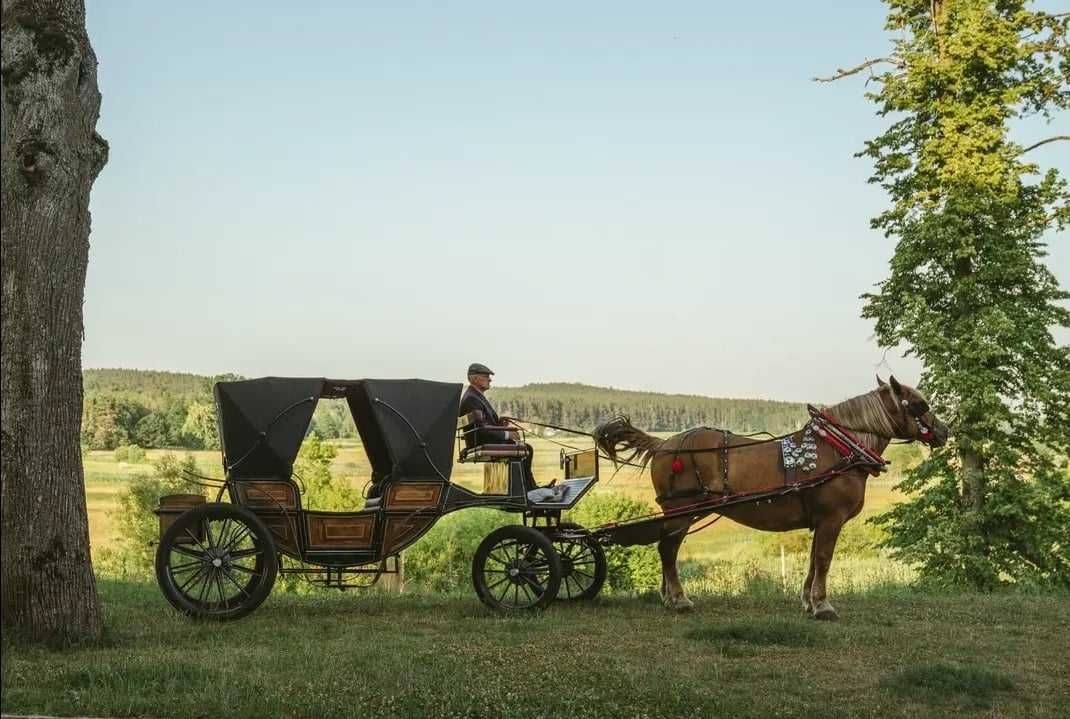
{"x":480,"y":381}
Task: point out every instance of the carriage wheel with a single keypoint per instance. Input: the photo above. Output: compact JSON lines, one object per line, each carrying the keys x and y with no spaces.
{"x":516,"y":568}
{"x":216,"y":561}
{"x":583,"y":565}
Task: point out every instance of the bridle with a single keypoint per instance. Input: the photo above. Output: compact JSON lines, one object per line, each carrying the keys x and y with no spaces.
{"x":916,"y":410}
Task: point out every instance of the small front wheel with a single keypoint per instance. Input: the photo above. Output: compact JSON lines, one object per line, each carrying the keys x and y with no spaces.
{"x":583,"y":562}
{"x":216,"y":561}
{"x":516,"y":568}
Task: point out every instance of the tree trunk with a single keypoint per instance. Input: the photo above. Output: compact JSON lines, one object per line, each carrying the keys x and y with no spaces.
{"x":51,"y":154}
{"x":973,"y":478}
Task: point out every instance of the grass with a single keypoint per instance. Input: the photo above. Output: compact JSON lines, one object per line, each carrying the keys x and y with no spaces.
{"x":893,"y":654}
{"x":939,"y":681}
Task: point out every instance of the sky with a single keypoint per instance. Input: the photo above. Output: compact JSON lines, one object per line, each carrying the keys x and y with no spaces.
{"x":647,"y":196}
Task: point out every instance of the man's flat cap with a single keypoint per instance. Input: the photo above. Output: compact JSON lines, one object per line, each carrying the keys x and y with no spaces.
{"x":476,"y":368}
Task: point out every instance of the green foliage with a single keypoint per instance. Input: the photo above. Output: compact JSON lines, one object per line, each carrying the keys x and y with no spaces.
{"x":137,"y":528}
{"x":969,"y":292}
{"x":321,"y":491}
{"x":129,"y":453}
{"x":630,"y":569}
{"x":200,"y":425}
{"x":441,"y":561}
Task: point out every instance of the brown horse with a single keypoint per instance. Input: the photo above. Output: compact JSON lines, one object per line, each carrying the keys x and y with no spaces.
{"x":683,"y":477}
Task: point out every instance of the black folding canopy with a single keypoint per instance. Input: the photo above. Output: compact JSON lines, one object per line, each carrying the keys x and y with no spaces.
{"x":407,"y":426}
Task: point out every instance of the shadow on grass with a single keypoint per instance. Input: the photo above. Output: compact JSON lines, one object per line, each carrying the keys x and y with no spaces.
{"x":742,"y":638}
{"x":976,"y":685}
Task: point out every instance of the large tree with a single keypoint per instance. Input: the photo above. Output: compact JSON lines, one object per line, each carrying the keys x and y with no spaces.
{"x":968,"y":291}
{"x":51,"y":155}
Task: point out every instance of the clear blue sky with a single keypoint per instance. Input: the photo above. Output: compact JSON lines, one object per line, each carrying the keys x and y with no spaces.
{"x":642,"y":195}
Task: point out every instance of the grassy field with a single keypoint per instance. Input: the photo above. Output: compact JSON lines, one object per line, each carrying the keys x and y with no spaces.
{"x":894,"y":654}
{"x":105,"y":479}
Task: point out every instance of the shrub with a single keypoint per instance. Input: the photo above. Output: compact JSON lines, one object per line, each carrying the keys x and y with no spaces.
{"x":630,"y":569}
{"x":136,"y":526}
{"x":441,"y":561}
{"x":129,"y":453}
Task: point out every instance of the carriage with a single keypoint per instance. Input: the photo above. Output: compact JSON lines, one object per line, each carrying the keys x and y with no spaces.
{"x":220,"y":559}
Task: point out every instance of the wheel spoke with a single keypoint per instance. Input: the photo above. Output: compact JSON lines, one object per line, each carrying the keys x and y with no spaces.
{"x":179,"y":549}
{"x":197,"y":541}
{"x":247,"y":570}
{"x":190,"y":580}
{"x":240,"y":535}
{"x":240,"y":587}
{"x":186,"y":567}
{"x":243,"y":553}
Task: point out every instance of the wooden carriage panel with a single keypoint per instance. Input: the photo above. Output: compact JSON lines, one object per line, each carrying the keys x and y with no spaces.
{"x":283,"y":530}
{"x":414,"y":495}
{"x":340,"y":531}
{"x":403,"y":531}
{"x":257,"y":494}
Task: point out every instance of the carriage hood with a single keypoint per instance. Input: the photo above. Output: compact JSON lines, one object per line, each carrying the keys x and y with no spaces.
{"x":407,"y":426}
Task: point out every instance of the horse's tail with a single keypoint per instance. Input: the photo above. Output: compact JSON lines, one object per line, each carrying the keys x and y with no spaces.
{"x":617,"y":436}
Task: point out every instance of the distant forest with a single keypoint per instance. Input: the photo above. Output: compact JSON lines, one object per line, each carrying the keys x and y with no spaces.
{"x":168,"y":409}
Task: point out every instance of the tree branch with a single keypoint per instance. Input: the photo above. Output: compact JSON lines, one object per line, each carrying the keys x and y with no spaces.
{"x":841,"y":73}
{"x":1035,"y":145}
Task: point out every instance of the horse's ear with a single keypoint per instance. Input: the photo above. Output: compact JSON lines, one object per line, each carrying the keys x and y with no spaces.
{"x":896,"y":387}
{"x":880,"y":382}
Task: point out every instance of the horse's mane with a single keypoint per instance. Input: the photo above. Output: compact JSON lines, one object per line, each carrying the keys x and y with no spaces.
{"x":866,"y":416}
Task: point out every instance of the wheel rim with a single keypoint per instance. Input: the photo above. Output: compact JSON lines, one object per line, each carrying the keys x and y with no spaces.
{"x":216,"y":569}
{"x":516,"y":574}
{"x":578,"y":568}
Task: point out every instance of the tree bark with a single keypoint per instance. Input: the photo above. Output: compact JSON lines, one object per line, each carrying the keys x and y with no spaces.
{"x":51,"y":155}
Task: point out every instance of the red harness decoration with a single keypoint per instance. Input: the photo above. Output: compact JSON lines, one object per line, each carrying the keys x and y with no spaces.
{"x":843,"y":441}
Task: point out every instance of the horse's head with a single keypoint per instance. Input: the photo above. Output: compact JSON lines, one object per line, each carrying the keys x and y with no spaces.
{"x":911,"y":413}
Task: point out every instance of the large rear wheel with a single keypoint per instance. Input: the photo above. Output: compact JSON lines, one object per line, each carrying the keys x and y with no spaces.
{"x":516,"y":568}
{"x":216,"y":561}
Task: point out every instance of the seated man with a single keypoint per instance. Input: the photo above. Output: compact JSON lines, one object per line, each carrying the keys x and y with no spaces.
{"x":479,"y":379}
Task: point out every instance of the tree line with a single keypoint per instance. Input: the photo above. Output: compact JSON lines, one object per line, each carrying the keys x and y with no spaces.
{"x":167,"y":409}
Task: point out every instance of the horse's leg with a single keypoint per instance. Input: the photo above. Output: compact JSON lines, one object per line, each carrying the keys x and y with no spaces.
{"x":809,"y":583}
{"x":825,"y":536}
{"x":672,"y":591}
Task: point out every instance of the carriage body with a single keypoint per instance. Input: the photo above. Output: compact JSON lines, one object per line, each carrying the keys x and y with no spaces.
{"x":409,"y":430}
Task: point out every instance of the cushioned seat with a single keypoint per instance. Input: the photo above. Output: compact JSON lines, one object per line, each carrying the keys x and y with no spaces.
{"x":493,"y":451}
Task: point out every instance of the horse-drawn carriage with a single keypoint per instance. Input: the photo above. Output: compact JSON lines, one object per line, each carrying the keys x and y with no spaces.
{"x":220,"y":559}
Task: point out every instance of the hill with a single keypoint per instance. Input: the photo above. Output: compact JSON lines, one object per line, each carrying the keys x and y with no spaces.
{"x":172,"y":409}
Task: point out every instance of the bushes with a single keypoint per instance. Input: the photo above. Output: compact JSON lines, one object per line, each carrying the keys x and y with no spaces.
{"x":631,"y":569}
{"x":129,"y":453}
{"x":441,"y":561}
{"x":137,"y":527}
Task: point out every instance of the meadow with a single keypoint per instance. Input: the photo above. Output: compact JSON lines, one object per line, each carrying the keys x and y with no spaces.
{"x":746,"y":650}
{"x":105,"y":478}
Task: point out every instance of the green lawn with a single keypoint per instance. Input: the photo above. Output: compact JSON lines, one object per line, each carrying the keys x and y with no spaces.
{"x":894,"y":654}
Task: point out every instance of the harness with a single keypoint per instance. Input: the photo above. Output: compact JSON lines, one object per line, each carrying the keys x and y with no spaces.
{"x":794,"y":456}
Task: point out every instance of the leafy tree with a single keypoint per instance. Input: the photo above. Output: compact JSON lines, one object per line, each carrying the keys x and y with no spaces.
{"x":153,"y":431}
{"x":101,"y":428}
{"x":969,"y":292}
{"x":200,"y":424}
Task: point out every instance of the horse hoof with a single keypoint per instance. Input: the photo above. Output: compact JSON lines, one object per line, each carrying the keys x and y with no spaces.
{"x":683,"y":604}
